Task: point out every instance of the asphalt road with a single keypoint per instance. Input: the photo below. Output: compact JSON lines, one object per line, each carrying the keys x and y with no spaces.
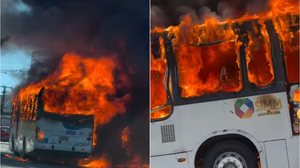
{"x":8,"y":160}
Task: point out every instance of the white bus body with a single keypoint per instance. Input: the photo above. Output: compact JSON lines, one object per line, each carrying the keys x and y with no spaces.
{"x":226,"y":130}
{"x":194,"y":124}
{"x":49,"y":133}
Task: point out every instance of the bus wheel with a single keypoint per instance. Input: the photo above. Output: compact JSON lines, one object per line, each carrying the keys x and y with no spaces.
{"x":230,"y":154}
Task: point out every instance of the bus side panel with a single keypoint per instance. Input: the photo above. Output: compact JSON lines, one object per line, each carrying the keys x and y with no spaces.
{"x":276,"y":154}
{"x":293,"y":151}
{"x":194,"y":122}
{"x":172,"y":161}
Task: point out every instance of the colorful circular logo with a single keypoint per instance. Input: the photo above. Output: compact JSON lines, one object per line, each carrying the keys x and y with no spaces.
{"x":244,"y":108}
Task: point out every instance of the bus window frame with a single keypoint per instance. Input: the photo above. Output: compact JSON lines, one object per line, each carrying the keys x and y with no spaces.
{"x":169,"y":99}
{"x":277,"y":85}
{"x":168,"y":78}
{"x":219,"y":92}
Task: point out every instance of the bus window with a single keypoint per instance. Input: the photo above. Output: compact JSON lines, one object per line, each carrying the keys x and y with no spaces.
{"x":158,"y":92}
{"x":291,"y":56}
{"x":31,"y":108}
{"x":208,"y":69}
{"x":27,"y":109}
{"x":22,"y":109}
{"x":258,"y":57}
{"x":13,"y":114}
{"x":287,"y":29}
{"x":34,"y":113}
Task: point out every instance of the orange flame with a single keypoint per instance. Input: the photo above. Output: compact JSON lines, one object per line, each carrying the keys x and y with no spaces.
{"x":101,"y":162}
{"x":259,"y":58}
{"x":125,"y":138}
{"x":40,"y":135}
{"x":207,"y":72}
{"x":157,"y":70}
{"x":215,"y":66}
{"x":81,"y":85}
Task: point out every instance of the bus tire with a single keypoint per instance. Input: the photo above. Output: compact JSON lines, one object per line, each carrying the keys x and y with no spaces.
{"x":230,"y":154}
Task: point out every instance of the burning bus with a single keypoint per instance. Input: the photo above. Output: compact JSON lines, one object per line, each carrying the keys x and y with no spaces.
{"x":62,"y":111}
{"x":35,"y":132}
{"x":226,"y":94}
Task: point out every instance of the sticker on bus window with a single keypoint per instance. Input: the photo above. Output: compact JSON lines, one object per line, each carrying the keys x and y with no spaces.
{"x":244,"y":108}
{"x":267,"y":105}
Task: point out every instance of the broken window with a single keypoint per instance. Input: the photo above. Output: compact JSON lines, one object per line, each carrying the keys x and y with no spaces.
{"x":208,"y":69}
{"x":158,"y":70}
{"x":158,"y":91}
{"x":291,"y":56}
{"x":287,"y":29}
{"x":259,"y":58}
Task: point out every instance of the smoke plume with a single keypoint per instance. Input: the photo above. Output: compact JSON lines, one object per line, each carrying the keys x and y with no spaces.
{"x":49,"y":29}
{"x":166,"y":13}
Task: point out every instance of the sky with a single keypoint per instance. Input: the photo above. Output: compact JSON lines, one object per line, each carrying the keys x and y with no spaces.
{"x":13,"y":57}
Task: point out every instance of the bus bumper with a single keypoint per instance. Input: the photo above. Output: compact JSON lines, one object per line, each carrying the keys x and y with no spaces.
{"x":62,"y":147}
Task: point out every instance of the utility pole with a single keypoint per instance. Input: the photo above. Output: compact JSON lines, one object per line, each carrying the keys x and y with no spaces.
{"x":4,"y":40}
{"x":3,"y":98}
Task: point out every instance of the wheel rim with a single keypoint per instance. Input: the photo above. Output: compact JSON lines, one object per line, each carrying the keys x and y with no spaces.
{"x":230,"y":160}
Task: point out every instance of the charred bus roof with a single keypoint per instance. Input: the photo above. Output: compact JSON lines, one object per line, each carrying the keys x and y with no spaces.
{"x":240,"y":28}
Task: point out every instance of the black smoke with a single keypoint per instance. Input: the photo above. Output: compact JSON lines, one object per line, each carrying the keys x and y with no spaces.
{"x":166,"y":13}
{"x":91,"y":28}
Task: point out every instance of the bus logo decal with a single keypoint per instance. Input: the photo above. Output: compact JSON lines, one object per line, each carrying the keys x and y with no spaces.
{"x":267,"y":105}
{"x":244,"y":108}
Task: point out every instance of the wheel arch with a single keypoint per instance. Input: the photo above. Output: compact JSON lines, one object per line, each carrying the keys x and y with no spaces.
{"x":203,"y":146}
